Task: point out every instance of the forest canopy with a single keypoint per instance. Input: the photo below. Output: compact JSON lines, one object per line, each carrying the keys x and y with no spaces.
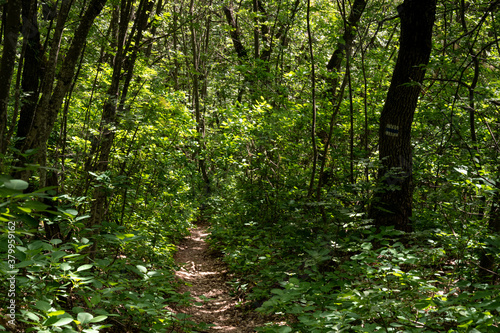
{"x":344,"y":153}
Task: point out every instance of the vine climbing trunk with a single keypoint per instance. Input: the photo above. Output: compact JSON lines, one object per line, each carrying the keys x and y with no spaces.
{"x":392,"y":204}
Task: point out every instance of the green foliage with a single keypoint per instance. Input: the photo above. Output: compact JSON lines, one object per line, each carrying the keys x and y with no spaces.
{"x":348,"y":284}
{"x":311,"y":258}
{"x":83,"y":283}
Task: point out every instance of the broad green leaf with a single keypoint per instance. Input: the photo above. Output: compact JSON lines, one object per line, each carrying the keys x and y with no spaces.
{"x":65,"y":266}
{"x":84,"y":317}
{"x":55,"y":241}
{"x":462,"y":170}
{"x":36,"y":205}
{"x":25,"y":263}
{"x":142,"y":269}
{"x":16,"y":184}
{"x":62,"y":321}
{"x":98,"y":319}
{"x":57,"y":254}
{"x":42,"y":305}
{"x":31,"y":316}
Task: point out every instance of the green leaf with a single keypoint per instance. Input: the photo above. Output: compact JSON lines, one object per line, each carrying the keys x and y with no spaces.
{"x":62,"y":321}
{"x":25,"y":263}
{"x":84,"y":267}
{"x":95,"y":299}
{"x":35,"y":205}
{"x":65,"y":266}
{"x":57,"y":254}
{"x":98,"y":319}
{"x":56,"y":313}
{"x":462,"y":170}
{"x":84,"y":317}
{"x":16,"y":184}
{"x":142,"y":269}
{"x":68,"y":212}
{"x":31,"y":316}
{"x":42,"y":305}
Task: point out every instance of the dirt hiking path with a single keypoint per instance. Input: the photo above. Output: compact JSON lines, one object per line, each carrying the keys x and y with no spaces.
{"x":205,"y":278}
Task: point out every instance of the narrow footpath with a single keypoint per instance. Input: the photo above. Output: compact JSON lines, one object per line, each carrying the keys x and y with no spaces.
{"x":205,"y":278}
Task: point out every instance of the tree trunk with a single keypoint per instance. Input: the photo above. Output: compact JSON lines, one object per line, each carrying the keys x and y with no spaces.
{"x":52,"y":99}
{"x":32,"y":70}
{"x":343,"y":49}
{"x":108,"y":118}
{"x":13,"y":12}
{"x":392,"y":204}
{"x":344,"y":45}
{"x":488,"y":265}
{"x":200,"y":121}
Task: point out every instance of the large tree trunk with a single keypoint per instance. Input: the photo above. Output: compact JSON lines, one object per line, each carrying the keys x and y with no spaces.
{"x":52,"y":98}
{"x":392,"y":204}
{"x":32,"y":70}
{"x":13,"y":12}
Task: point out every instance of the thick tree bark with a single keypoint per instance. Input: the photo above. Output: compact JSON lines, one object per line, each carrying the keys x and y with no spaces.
{"x":392,"y":204}
{"x":52,"y":99}
{"x":32,"y":70}
{"x":13,"y":13}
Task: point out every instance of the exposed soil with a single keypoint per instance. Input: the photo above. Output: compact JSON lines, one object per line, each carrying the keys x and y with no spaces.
{"x":205,"y":277}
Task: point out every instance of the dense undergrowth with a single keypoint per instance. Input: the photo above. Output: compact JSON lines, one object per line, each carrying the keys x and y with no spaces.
{"x":109,"y":278}
{"x":348,"y":277}
{"x":213,"y":108}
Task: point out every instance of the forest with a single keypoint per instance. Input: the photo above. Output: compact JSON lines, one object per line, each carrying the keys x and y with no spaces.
{"x":342,"y":154}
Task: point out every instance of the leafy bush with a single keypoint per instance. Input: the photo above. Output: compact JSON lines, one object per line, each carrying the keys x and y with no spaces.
{"x":87,"y":281}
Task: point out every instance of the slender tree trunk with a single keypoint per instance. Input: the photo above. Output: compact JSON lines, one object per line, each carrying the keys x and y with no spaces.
{"x":108,"y":118}
{"x":313,"y":97}
{"x":392,"y":204}
{"x":12,"y":23}
{"x":240,"y":49}
{"x":235,"y":33}
{"x":343,"y":49}
{"x":344,"y":45}
{"x":200,"y":126}
{"x":256,"y":47}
